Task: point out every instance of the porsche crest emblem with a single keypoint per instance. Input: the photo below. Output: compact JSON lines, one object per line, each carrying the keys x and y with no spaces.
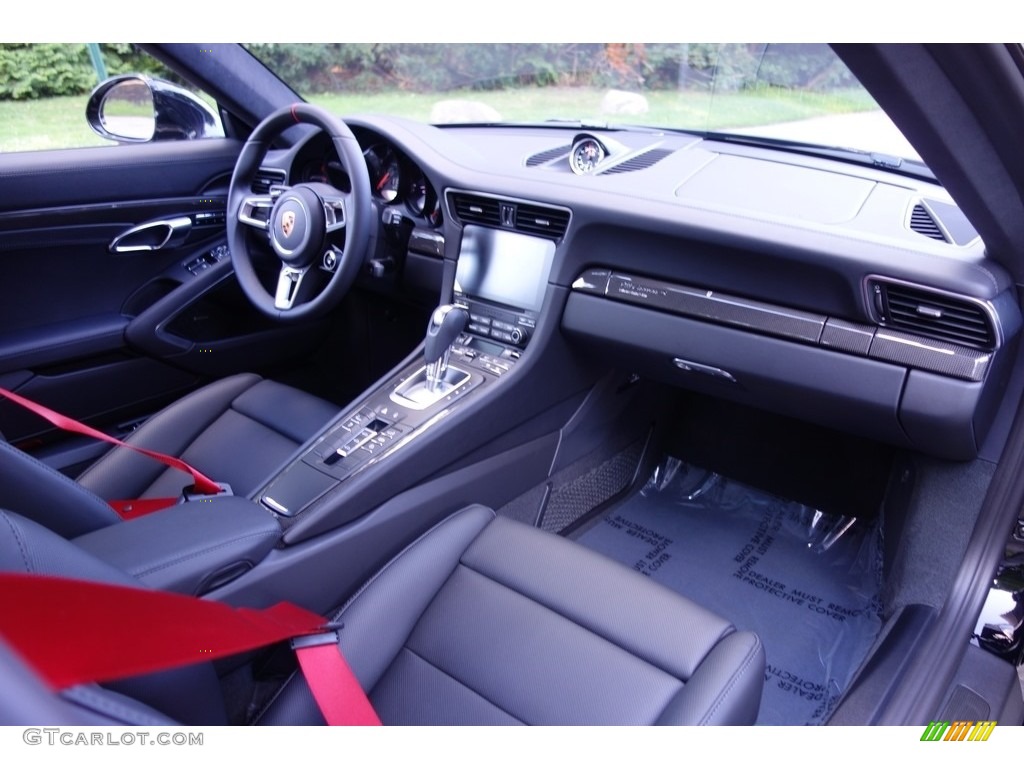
{"x":288,"y":223}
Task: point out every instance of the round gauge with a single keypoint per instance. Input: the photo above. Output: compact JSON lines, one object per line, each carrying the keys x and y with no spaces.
{"x":416,"y":194}
{"x":385,"y":172}
{"x":586,"y":153}
{"x":422,"y":199}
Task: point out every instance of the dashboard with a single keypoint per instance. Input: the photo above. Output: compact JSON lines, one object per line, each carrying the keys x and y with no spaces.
{"x":845,"y":295}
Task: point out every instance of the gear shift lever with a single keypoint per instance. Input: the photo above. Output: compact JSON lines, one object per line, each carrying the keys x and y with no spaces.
{"x":446,"y":323}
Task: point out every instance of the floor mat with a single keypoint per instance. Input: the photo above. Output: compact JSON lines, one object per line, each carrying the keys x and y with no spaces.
{"x":807,"y":583}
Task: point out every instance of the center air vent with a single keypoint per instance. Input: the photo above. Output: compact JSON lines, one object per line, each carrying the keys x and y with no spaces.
{"x":266,"y":178}
{"x":474,"y":209}
{"x":935,"y":315}
{"x":528,"y":218}
{"x":639,"y":162}
{"x":547,"y":156}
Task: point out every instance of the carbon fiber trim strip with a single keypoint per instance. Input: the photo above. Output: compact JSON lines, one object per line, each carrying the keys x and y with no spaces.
{"x":930,"y":355}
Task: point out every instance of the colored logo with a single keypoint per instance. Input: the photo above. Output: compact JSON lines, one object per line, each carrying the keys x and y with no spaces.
{"x":288,"y":223}
{"x":959,"y":730}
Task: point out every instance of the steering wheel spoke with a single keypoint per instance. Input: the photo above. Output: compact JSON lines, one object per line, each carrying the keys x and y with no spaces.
{"x":255,"y":211}
{"x":288,"y":283}
{"x":334,"y":211}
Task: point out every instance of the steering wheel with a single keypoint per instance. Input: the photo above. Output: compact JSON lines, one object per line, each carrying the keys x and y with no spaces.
{"x":298,"y":220}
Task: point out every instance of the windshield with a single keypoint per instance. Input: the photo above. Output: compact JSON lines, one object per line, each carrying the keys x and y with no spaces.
{"x":791,"y":92}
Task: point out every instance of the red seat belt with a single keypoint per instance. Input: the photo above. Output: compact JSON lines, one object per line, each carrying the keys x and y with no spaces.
{"x":127,"y":509}
{"x":74,"y":632}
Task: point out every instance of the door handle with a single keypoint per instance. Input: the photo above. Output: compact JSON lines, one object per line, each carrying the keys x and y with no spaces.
{"x":153,"y":235}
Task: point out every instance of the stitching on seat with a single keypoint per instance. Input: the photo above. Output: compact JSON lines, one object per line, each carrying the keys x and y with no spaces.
{"x":733,"y":679}
{"x":198,"y":553}
{"x":468,"y":687}
{"x":16,"y":532}
{"x":366,"y":585}
{"x":261,"y":422}
{"x":594,"y":632}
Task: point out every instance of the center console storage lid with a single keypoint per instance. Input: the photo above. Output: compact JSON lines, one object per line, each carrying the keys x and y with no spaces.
{"x":189,"y":548}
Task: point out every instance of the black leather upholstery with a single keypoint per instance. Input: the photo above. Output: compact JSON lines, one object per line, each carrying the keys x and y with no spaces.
{"x":238,"y":430}
{"x":188,"y":547}
{"x":487,"y":621}
{"x":189,"y":695}
{"x":481,"y":621}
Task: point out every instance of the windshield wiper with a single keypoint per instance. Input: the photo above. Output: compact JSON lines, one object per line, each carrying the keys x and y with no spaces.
{"x":881,"y":160}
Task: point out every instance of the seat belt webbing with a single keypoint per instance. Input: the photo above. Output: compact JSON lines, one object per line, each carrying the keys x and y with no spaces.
{"x":129,"y":508}
{"x":72,"y":632}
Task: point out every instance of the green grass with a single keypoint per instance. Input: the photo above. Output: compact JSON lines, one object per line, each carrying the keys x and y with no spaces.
{"x":46,"y":124}
{"x":683,"y":109}
{"x":60,"y":122}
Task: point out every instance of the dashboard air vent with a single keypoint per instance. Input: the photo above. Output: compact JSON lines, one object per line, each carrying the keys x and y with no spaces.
{"x":943,"y":221}
{"x":473,"y":209}
{"x":639,"y":162}
{"x":528,"y":218}
{"x":540,"y":220}
{"x":266,"y":178}
{"x":922,"y":222}
{"x":547,"y":156}
{"x":934,"y":315}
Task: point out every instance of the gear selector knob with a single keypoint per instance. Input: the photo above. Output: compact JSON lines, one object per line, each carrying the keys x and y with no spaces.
{"x":446,"y":323}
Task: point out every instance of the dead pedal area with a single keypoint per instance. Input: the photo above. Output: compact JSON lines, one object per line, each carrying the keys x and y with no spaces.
{"x":806,"y":582}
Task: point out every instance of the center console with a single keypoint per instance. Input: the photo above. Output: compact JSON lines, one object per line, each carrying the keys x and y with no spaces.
{"x":500,"y":282}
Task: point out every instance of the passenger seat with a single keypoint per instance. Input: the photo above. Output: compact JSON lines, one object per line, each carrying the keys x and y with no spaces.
{"x":483,"y":620}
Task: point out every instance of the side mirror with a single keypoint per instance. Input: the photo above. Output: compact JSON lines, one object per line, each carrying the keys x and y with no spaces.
{"x":139,"y":108}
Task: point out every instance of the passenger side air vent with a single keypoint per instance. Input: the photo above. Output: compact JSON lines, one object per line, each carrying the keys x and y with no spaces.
{"x":921,"y":221}
{"x":537,"y":220}
{"x":473,"y":209}
{"x":954,"y":319}
{"x":547,"y":156}
{"x":266,"y":178}
{"x":639,"y":162}
{"x":941,"y":221}
{"x":528,"y":218}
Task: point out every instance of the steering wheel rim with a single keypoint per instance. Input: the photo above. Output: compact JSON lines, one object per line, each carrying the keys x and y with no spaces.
{"x":299,"y":219}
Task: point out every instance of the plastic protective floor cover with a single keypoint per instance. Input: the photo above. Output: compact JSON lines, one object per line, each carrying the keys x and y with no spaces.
{"x":806,"y":582}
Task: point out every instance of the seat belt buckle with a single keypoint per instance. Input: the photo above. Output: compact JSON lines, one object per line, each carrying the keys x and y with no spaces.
{"x":327,"y":636}
{"x":189,"y":495}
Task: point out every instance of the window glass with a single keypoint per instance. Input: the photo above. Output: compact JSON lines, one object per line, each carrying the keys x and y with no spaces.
{"x":44,"y":88}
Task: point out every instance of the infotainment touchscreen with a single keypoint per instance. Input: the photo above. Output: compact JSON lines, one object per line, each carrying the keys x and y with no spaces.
{"x":507,"y":268}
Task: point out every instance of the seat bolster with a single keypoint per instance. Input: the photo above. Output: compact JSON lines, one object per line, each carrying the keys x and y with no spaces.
{"x":40,"y":492}
{"x":725,"y":689}
{"x":380,"y":617}
{"x":123,"y":474}
{"x":27,"y":547}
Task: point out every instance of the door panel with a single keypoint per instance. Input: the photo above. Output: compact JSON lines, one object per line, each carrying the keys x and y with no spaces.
{"x":103,"y":335}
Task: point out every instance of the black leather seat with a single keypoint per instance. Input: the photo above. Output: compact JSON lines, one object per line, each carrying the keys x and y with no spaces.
{"x":481,"y":621}
{"x":237,"y":430}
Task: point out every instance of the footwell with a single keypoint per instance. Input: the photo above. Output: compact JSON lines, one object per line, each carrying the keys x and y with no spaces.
{"x":806,"y":582}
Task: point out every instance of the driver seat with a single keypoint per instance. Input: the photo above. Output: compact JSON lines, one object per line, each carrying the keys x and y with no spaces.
{"x":237,"y":430}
